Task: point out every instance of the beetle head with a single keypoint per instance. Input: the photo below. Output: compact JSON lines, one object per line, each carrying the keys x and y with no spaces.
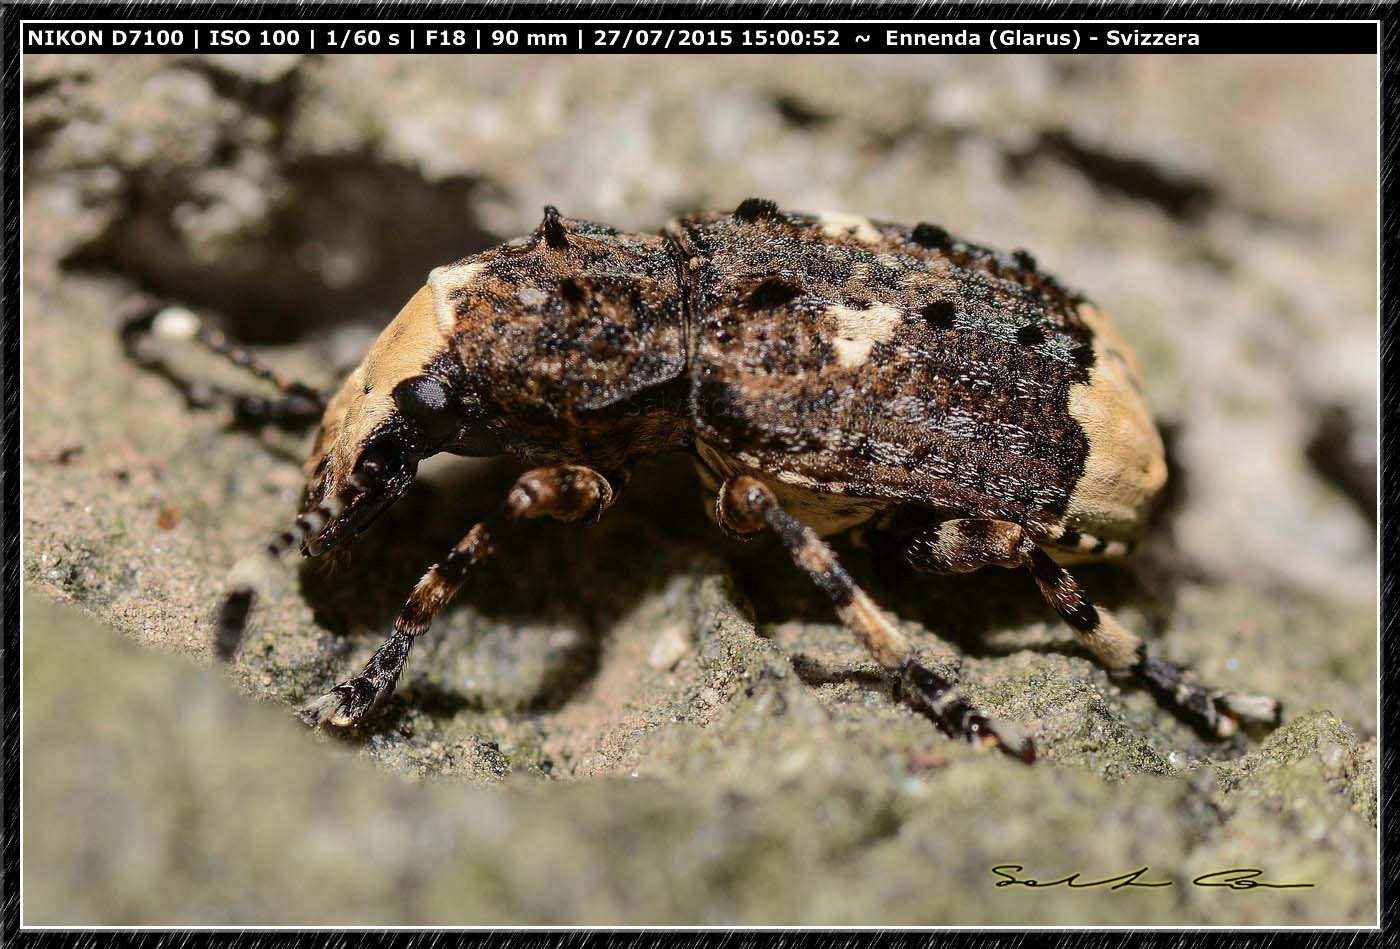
{"x":528,"y":345}
{"x":405,"y":402}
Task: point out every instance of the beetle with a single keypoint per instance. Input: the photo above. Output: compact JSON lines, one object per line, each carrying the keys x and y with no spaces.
{"x":826,"y":371}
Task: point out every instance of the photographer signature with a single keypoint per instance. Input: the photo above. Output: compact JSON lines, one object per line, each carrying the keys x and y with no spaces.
{"x":1235,"y":878}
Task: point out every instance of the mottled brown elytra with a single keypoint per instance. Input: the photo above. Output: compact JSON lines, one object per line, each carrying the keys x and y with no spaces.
{"x":825,"y":371}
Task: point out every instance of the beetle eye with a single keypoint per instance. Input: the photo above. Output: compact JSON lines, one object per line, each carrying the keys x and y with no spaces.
{"x":426,"y":402}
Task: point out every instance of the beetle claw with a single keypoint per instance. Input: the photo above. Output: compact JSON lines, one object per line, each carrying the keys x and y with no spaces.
{"x":937,"y":698}
{"x":1254,"y":708}
{"x":343,"y":705}
{"x":1238,"y":711}
{"x":1008,"y":741}
{"x":1212,"y":711}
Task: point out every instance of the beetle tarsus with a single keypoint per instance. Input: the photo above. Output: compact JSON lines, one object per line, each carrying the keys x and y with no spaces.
{"x":1212,"y":711}
{"x":351,"y":700}
{"x":1253,"y":709}
{"x":342,"y":706}
{"x":232,"y":621}
{"x":961,"y":545}
{"x":955,"y":717}
{"x":319,"y":711}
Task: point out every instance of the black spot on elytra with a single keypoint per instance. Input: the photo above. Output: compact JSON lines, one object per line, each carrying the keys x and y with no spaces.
{"x":553,"y":228}
{"x":751,"y":209}
{"x":773,"y":293}
{"x":1030,"y":335}
{"x":724,"y":408}
{"x":931,"y":235}
{"x":571,"y":290}
{"x":939,"y":314}
{"x":1083,"y":355}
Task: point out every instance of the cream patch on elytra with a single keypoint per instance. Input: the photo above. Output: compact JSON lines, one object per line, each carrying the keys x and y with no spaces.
{"x":857,"y":331}
{"x":1126,"y":463}
{"x":446,"y":281}
{"x":848,"y":225}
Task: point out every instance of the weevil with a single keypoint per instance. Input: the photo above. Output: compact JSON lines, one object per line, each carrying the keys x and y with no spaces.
{"x":827,"y":372}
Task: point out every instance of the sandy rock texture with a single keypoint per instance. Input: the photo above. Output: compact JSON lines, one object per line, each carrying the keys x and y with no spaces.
{"x":640,"y":721}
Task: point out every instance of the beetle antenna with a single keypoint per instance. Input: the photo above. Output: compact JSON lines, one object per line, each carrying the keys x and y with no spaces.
{"x":300,"y":403}
{"x":251,"y":576}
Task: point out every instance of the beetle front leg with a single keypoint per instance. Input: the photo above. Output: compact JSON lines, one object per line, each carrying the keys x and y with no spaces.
{"x":746,"y":505}
{"x":566,"y":493}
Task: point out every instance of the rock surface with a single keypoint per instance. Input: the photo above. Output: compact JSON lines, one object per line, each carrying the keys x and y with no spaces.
{"x":640,"y":722}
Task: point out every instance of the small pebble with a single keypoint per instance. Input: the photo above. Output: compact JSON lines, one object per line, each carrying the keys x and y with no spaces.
{"x":175,"y":322}
{"x":1333,"y":759}
{"x":670,"y":646}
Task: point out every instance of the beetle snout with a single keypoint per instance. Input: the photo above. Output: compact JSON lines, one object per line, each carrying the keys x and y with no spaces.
{"x":315,"y":520}
{"x":345,"y":500}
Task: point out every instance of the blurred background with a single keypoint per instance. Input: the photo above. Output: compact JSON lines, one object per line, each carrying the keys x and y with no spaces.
{"x":641,"y":722}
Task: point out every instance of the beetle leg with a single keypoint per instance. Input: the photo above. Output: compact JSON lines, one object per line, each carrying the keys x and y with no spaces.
{"x":746,"y":506}
{"x":296,"y":405}
{"x":964,"y":544}
{"x":1212,"y":710}
{"x":567,"y":493}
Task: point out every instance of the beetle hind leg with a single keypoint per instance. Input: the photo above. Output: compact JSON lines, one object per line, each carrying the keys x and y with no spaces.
{"x":964,"y":544}
{"x":746,"y":506}
{"x":1215,"y":711}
